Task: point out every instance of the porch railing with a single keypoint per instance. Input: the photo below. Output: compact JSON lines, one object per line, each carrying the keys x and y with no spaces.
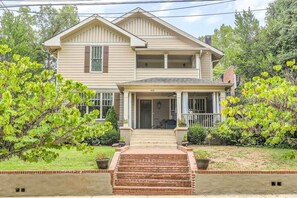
{"x":204,"y":119}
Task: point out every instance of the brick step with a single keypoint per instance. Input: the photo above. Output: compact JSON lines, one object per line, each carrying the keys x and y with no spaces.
{"x":137,"y":175}
{"x":153,"y":162}
{"x":154,"y":145}
{"x":153,"y":182}
{"x":154,"y":156}
{"x":148,"y":141}
{"x":154,"y":169}
{"x":156,"y":139}
{"x":136,"y":190}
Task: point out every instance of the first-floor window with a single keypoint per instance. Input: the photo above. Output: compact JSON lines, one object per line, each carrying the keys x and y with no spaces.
{"x":102,"y":102}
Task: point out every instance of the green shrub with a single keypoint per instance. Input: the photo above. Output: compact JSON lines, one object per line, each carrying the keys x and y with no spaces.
{"x":110,"y":137}
{"x":197,"y":134}
{"x":111,"y":117}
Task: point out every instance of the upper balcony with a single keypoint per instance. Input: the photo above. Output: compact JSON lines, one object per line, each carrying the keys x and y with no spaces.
{"x":165,"y":65}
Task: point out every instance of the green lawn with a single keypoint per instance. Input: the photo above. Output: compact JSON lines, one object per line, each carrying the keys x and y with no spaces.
{"x":67,"y":160}
{"x":248,"y":158}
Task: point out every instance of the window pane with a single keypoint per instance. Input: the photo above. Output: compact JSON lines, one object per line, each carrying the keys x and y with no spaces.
{"x":107,"y":99}
{"x":96,"y":105}
{"x":96,"y":62}
{"x":82,"y":106}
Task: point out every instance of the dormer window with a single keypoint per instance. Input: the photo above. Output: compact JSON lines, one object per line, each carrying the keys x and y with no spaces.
{"x":96,"y":58}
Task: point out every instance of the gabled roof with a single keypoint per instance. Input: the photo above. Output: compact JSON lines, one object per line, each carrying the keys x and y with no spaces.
{"x":55,"y":42}
{"x":171,"y":27}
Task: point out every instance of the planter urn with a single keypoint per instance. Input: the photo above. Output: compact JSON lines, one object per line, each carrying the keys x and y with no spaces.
{"x":102,"y":163}
{"x":202,"y":164}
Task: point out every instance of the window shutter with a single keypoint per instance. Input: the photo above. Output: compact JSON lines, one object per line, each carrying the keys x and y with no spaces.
{"x":87,"y":59}
{"x":117,"y":104}
{"x":105,"y":58}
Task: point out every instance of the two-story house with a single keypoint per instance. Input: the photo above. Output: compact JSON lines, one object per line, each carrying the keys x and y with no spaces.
{"x":151,"y":72}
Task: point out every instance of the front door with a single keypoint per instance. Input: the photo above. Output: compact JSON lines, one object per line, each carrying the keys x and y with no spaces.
{"x":145,"y":114}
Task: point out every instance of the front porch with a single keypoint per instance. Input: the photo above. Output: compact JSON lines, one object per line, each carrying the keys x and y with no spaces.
{"x":161,"y":107}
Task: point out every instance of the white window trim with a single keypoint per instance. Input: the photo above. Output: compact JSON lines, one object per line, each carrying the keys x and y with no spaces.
{"x":102,"y":56}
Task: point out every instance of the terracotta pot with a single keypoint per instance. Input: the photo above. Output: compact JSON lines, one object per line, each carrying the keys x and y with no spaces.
{"x":202,"y":164}
{"x":103,"y":163}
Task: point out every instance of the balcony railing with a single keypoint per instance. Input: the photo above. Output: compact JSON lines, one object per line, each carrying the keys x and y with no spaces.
{"x":204,"y":119}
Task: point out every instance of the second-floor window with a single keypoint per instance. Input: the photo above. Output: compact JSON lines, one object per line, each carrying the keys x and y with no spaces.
{"x":96,"y":58}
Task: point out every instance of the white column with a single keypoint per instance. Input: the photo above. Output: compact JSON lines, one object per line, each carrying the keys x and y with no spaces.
{"x":126,"y":105}
{"x":130,"y":109}
{"x":185,"y":105}
{"x":165,"y":61}
{"x":178,"y":104}
{"x":218,"y":103}
{"x":135,"y":109}
{"x":198,"y":64}
{"x":214,"y":104}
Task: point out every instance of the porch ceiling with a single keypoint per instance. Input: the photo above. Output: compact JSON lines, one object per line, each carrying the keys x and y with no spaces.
{"x":176,"y":82}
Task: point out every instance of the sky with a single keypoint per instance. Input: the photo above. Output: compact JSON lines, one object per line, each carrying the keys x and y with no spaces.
{"x":196,"y":26}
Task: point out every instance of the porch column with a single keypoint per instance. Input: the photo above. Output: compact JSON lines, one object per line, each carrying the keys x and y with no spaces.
{"x":135,"y":110}
{"x":165,"y":61}
{"x":198,"y":64}
{"x":130,"y":109}
{"x":214,"y":103}
{"x":218,"y":102}
{"x":126,"y":106}
{"x":185,"y":105}
{"x":222,"y":97}
{"x":178,"y":105}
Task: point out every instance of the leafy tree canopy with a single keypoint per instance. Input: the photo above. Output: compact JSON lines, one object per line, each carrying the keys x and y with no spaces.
{"x":38,"y":115}
{"x":281,"y":20}
{"x":269,"y":109}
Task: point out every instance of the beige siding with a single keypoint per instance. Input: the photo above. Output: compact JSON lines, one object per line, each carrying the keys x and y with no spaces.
{"x":120,"y":69}
{"x":170,"y":43}
{"x":96,"y":33}
{"x":206,"y":67}
{"x":141,"y":26}
{"x":143,"y":73}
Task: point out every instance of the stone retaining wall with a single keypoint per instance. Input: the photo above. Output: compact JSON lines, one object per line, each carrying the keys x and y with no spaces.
{"x":246,"y":182}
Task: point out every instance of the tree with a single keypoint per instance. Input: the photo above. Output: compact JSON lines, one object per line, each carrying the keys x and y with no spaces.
{"x":226,"y":40}
{"x":38,"y":116}
{"x":18,"y":32}
{"x":253,"y":55}
{"x":50,"y":22}
{"x":281,"y":19}
{"x":270,"y":107}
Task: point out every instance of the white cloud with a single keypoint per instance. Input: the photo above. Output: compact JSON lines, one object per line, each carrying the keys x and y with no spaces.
{"x":162,"y":7}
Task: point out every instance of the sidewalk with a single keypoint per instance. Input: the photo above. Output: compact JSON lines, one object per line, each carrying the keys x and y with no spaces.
{"x":178,"y":196}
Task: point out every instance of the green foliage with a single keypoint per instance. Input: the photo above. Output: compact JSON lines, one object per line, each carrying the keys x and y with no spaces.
{"x":111,"y":117}
{"x":282,"y":29}
{"x":197,"y":134}
{"x":289,"y":155}
{"x":270,"y":112}
{"x":101,"y":156}
{"x":181,"y":123}
{"x":110,"y":137}
{"x":185,"y":137}
{"x":38,"y":115}
{"x":201,"y":154}
{"x":226,"y":40}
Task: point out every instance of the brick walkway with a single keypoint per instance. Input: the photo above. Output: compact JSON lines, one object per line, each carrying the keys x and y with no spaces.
{"x":152,"y":150}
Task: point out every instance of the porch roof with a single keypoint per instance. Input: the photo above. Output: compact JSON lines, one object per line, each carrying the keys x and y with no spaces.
{"x":174,"y":81}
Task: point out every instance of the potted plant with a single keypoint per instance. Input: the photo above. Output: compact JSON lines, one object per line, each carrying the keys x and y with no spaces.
{"x":122,"y":141}
{"x":202,"y":159}
{"x":102,"y":160}
{"x":181,"y":123}
{"x":185,"y":140}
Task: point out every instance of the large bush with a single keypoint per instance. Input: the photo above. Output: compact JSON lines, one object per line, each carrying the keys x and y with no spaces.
{"x":110,"y":137}
{"x":111,"y":117}
{"x":197,"y":134}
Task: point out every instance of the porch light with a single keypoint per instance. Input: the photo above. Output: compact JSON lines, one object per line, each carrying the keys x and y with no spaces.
{"x":159,"y":105}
